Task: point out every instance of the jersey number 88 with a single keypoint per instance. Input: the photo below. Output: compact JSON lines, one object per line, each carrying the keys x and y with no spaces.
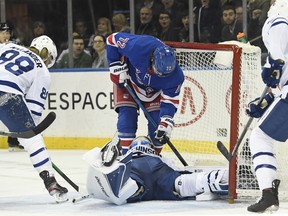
{"x":14,"y":64}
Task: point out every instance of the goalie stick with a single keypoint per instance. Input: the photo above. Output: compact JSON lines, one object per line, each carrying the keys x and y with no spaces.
{"x":154,"y":123}
{"x":49,"y":119}
{"x":221,"y":146}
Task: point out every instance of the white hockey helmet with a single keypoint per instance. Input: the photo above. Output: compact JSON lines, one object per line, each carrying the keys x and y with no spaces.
{"x":279,"y":8}
{"x":42,"y":43}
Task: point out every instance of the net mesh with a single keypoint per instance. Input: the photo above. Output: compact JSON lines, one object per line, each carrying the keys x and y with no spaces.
{"x":204,"y":112}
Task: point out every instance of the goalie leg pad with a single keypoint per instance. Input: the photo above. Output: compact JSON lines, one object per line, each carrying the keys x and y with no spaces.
{"x":113,"y":183}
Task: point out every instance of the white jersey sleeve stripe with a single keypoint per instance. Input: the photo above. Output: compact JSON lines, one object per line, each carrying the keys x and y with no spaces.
{"x":35,"y":102}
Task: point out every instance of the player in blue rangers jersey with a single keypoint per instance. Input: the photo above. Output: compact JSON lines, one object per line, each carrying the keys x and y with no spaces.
{"x":150,"y":67}
{"x":24,"y":86}
{"x":142,"y":174}
{"x":273,"y":125}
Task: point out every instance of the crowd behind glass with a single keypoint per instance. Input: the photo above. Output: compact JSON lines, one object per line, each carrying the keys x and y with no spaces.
{"x":214,"y":21}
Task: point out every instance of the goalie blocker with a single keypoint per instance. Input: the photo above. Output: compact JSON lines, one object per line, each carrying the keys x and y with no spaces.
{"x":148,"y":177}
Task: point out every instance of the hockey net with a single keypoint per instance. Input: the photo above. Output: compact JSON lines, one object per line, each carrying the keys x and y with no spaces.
{"x":220,"y":80}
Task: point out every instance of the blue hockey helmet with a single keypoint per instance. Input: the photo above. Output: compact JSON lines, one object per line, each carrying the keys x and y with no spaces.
{"x":164,"y":60}
{"x":141,"y":140}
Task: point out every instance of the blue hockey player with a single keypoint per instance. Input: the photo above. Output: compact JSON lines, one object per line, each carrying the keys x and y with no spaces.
{"x":142,"y":174}
{"x":150,"y":67}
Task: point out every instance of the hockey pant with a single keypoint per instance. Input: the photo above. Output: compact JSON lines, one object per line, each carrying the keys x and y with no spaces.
{"x":16,"y":116}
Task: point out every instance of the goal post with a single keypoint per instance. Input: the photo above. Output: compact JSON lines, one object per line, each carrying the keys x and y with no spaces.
{"x":220,"y":80}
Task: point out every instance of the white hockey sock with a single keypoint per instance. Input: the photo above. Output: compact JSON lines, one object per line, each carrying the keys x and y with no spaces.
{"x":38,"y":154}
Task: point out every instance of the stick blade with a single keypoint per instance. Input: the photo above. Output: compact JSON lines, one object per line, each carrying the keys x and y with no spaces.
{"x":224,"y":150}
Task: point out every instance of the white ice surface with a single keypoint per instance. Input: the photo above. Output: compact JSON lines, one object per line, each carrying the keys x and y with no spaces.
{"x":22,"y":192}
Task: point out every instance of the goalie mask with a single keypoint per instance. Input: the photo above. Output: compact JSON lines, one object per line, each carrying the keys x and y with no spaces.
{"x":44,"y":44}
{"x":141,"y":141}
{"x":164,"y":61}
{"x":279,"y":8}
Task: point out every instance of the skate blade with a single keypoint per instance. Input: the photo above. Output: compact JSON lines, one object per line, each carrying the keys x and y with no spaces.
{"x":272,"y":209}
{"x":14,"y":149}
{"x":60,"y":198}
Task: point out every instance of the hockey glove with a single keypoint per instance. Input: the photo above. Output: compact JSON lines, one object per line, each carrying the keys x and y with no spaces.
{"x":257,"y":107}
{"x":271,"y":76}
{"x":164,"y":129}
{"x":110,"y":152}
{"x":119,"y":73}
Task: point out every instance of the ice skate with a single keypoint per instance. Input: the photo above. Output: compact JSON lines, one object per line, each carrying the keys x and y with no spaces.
{"x":14,"y":146}
{"x":269,"y":201}
{"x":54,"y":189}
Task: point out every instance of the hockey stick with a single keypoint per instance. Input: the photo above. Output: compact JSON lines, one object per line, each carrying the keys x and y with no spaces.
{"x":221,"y":146}
{"x":154,"y":123}
{"x":76,"y":187}
{"x":33,"y":132}
{"x":69,"y":181}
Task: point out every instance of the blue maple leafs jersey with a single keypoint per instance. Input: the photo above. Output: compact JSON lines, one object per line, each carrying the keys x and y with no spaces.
{"x":138,"y":51}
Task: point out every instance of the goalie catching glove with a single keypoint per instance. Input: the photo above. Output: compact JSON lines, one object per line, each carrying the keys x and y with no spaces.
{"x":257,"y":107}
{"x":271,"y":75}
{"x":164,"y":129}
{"x":119,"y":73}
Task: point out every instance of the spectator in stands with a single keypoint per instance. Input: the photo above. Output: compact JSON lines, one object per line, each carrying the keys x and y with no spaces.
{"x":81,"y":58}
{"x":209,"y":21}
{"x":255,"y":33}
{"x":167,"y":32}
{"x":80,"y":27}
{"x":262,"y":7}
{"x":239,"y":12}
{"x":232,"y":26}
{"x":120,"y":23}
{"x":104,"y":28}
{"x":146,"y":24}
{"x":175,"y":8}
{"x":184,"y":31}
{"x":98,"y":52}
{"x":39,"y":29}
{"x":155,"y":5}
{"x":234,"y":2}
